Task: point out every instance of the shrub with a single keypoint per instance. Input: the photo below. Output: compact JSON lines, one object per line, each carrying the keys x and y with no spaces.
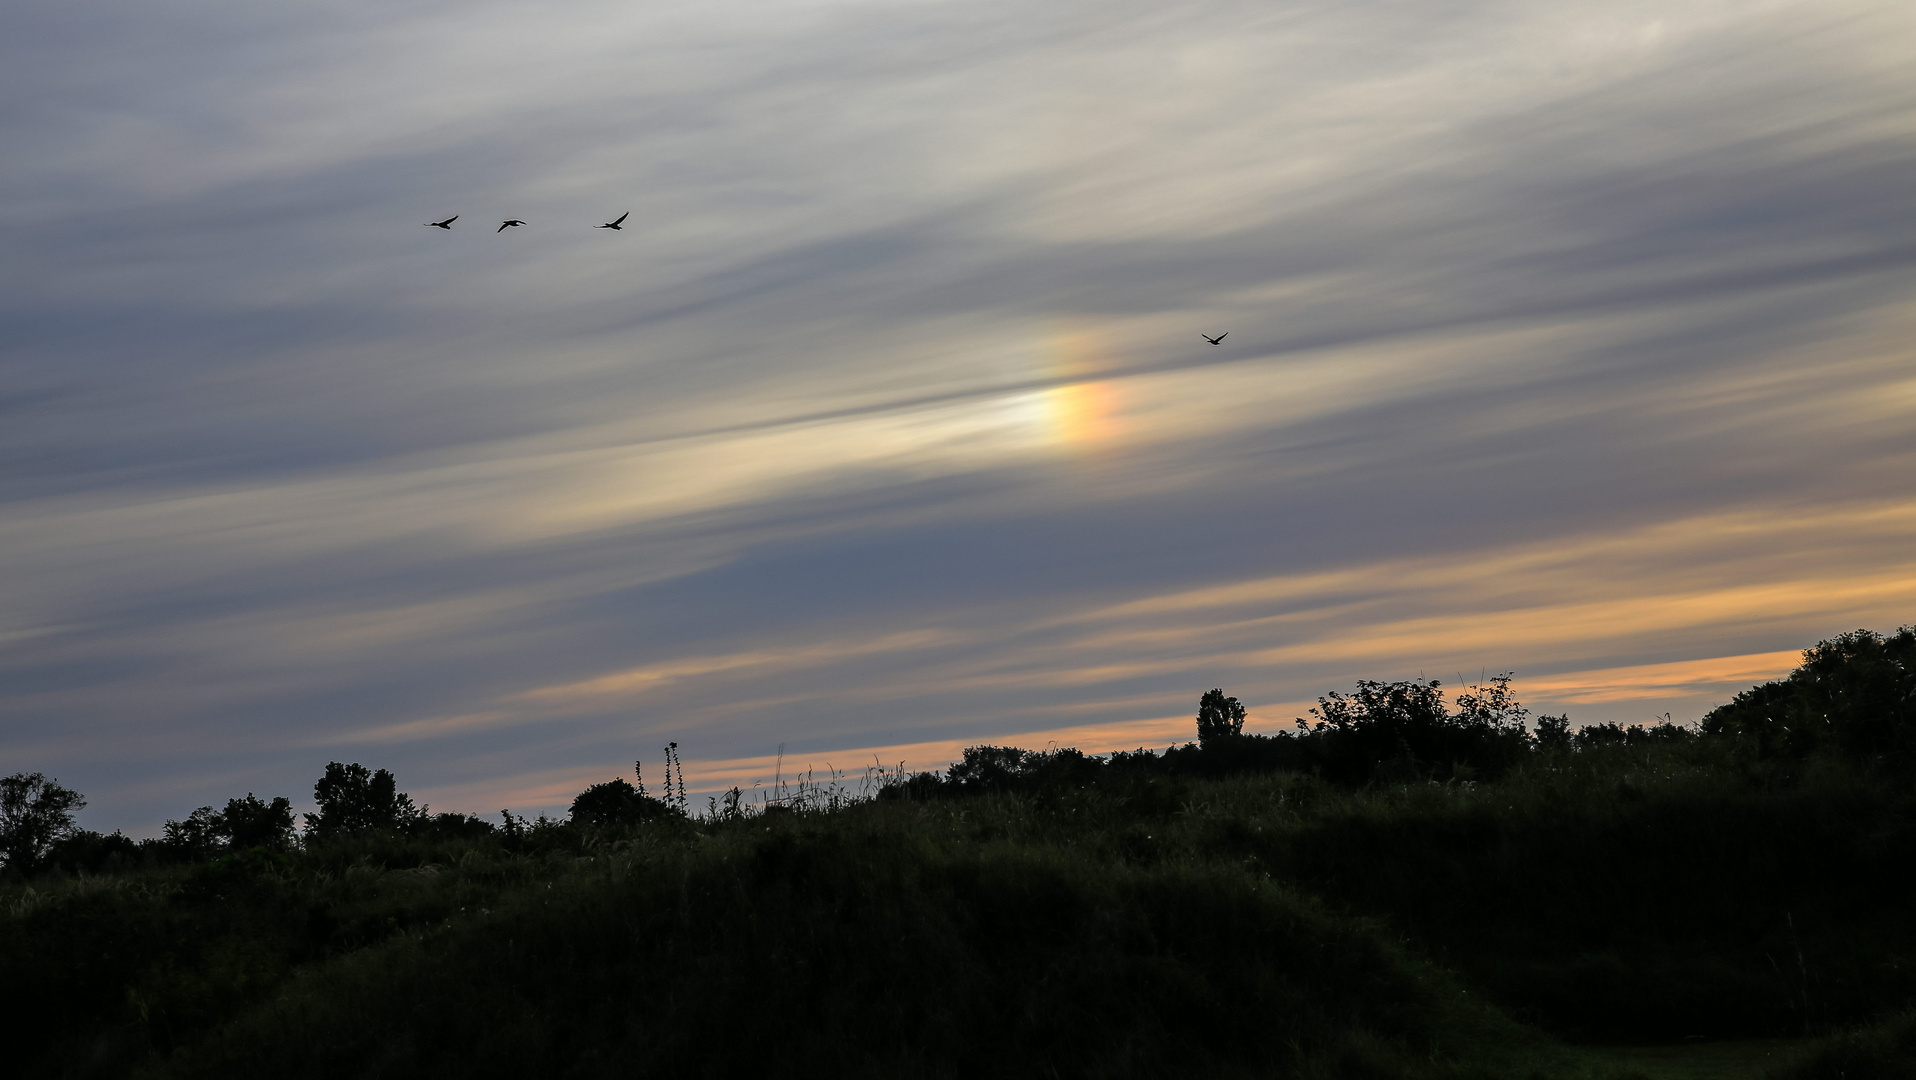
{"x":616,"y":802}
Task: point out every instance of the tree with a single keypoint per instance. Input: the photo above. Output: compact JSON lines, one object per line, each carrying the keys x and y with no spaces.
{"x":86,"y":852}
{"x":252,"y":822}
{"x":988,"y":768}
{"x":1402,"y":730}
{"x":35,"y":814}
{"x":1854,"y":694}
{"x":201,"y":836}
{"x":353,"y":799}
{"x":245,"y":823}
{"x":1219,"y":718}
{"x":1553,"y":732}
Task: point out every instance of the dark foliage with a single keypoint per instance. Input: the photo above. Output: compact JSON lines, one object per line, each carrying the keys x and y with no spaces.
{"x":353,"y":799}
{"x":451,"y":827}
{"x":1553,"y":734}
{"x":1005,"y":768}
{"x":1402,"y":731}
{"x":35,"y":814}
{"x":1242,"y":905}
{"x":1383,"y":732}
{"x":1854,"y":694}
{"x":207,"y":833}
{"x":1885,"y":1051}
{"x":1219,"y":718}
{"x":868,"y":953}
{"x":616,"y":802}
{"x":199,"y":837}
{"x":86,"y":852}
{"x":1636,"y":736}
{"x":253,"y":823}
{"x":1640,"y":899}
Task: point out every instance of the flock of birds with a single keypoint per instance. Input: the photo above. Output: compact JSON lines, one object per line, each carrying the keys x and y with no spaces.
{"x":616,"y":222}
{"x":509,"y":223}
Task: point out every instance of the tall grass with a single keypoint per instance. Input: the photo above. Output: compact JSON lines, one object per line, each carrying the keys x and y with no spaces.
{"x":1139,"y":924}
{"x":874,"y":948}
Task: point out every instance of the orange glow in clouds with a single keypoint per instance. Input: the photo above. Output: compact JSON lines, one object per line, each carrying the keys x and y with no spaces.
{"x":1083,"y":414}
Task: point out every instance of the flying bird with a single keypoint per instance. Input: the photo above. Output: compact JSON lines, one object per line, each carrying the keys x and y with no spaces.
{"x":446,"y":224}
{"x":1216,"y":340}
{"x":504,"y":225}
{"x":614,"y":224}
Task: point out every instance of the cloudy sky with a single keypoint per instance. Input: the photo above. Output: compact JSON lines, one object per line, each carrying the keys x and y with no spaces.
{"x":1575,"y":339}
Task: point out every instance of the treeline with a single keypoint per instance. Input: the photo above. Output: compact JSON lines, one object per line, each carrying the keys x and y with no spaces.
{"x":1405,"y":885}
{"x":1854,"y":696}
{"x":38,"y":833}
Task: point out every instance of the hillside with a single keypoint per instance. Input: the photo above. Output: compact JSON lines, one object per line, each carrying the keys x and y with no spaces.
{"x":1217,"y":910}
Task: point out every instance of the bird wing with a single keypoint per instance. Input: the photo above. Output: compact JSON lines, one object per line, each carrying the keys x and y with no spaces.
{"x":622,"y":218}
{"x":1224,"y":335}
{"x":450,"y":220}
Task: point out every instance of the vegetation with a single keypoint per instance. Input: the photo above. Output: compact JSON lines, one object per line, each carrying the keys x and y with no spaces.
{"x":1402,"y":887}
{"x":36,"y":814}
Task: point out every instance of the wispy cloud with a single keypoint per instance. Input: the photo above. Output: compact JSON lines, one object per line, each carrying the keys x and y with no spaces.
{"x":1571,"y":339}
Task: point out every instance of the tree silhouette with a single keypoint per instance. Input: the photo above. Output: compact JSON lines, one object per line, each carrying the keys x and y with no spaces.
{"x":353,"y":799}
{"x":252,"y":822}
{"x":1219,"y":718}
{"x":201,"y":836}
{"x":35,"y":813}
{"x":1399,"y":731}
{"x":1855,"y":693}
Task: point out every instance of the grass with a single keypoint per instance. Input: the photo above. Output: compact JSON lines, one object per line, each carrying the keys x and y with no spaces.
{"x":1732,"y":1059}
{"x":1882,"y":1051}
{"x":1139,"y":925}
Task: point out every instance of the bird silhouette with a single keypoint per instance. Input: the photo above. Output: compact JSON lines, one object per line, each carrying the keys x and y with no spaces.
{"x":614,"y":224}
{"x":1216,"y":340}
{"x":446,"y":224}
{"x":504,"y":225}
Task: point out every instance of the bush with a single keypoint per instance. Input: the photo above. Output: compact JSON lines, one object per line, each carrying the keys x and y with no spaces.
{"x":616,"y":802}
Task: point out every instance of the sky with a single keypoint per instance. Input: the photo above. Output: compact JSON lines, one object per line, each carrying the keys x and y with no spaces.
{"x":1575,"y":340}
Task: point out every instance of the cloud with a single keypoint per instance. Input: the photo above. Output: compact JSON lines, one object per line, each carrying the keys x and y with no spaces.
{"x":1569,"y":339}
